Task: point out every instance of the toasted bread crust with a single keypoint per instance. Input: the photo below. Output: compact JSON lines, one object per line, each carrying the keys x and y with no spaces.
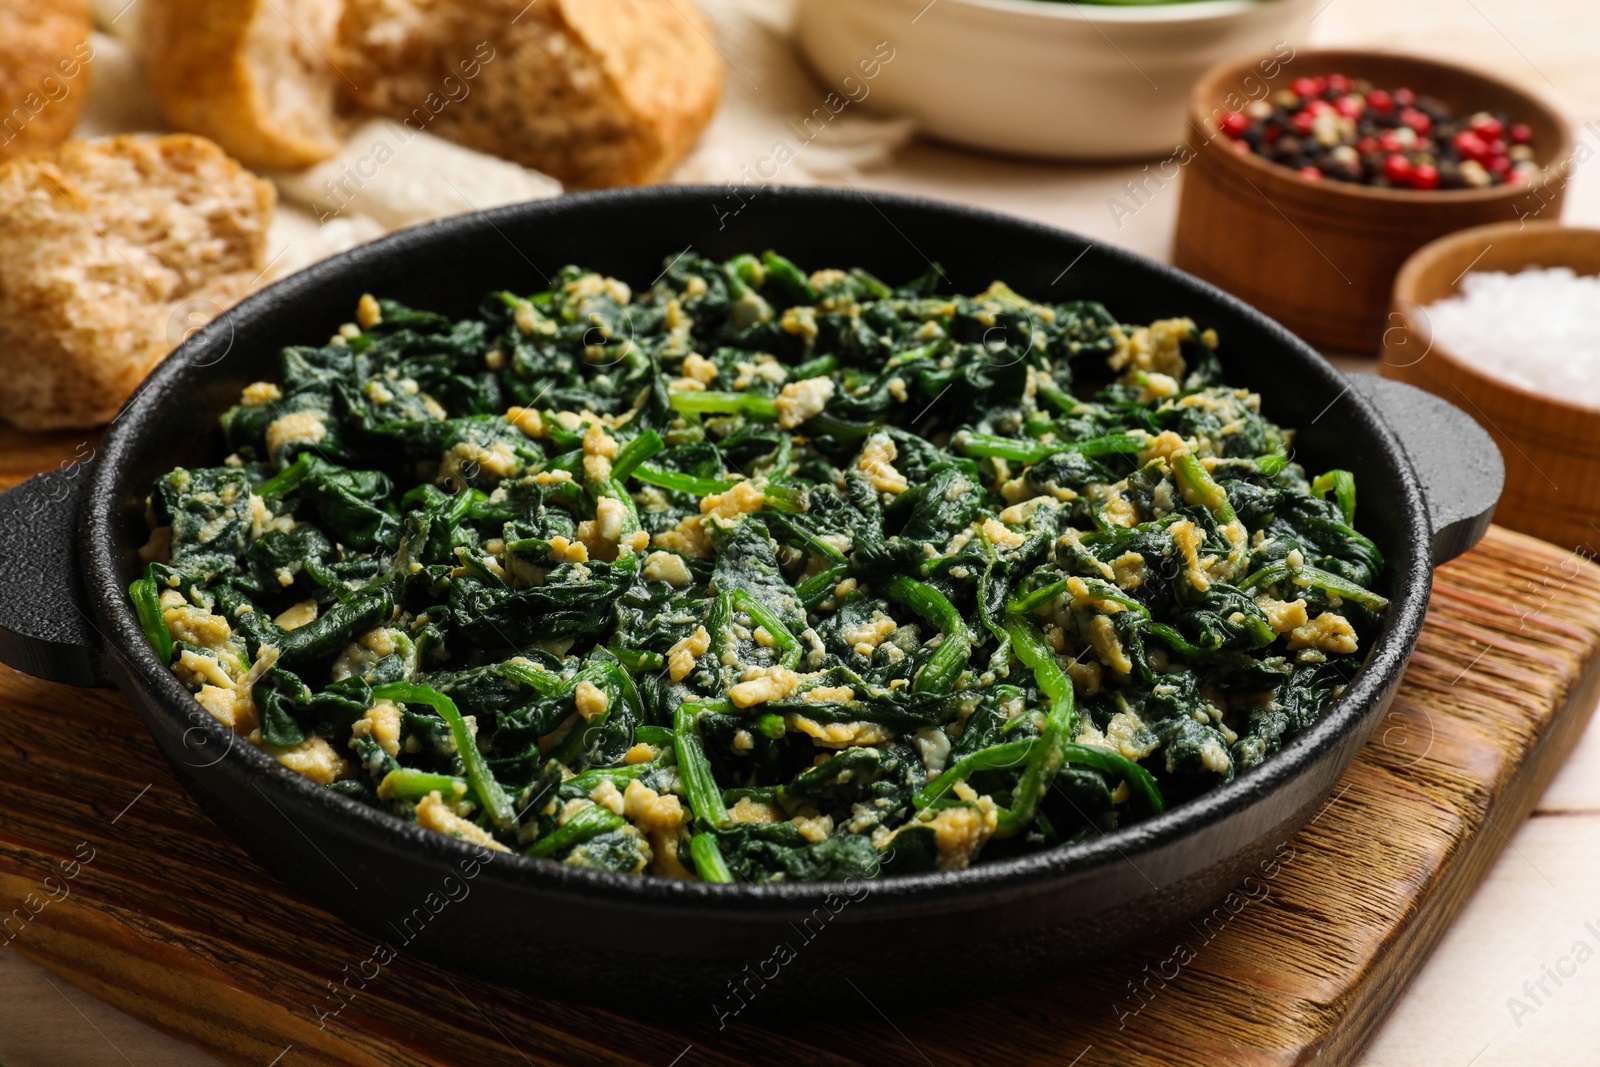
{"x":592,"y":92}
{"x":250,"y":75}
{"x":110,"y":251}
{"x":44,"y":72}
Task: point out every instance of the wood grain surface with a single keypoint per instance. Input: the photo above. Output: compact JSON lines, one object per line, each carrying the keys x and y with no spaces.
{"x":112,"y":878}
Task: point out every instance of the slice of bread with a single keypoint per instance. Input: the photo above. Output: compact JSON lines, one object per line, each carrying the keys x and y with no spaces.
{"x":592,"y":92}
{"x":255,"y":76}
{"x":45,"y":58}
{"x":110,"y":253}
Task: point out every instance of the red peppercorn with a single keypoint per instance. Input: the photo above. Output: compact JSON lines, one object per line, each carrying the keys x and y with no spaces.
{"x":1489,"y":128}
{"x":1306,"y":88}
{"x":1471,"y":146}
{"x":1417,"y":120}
{"x":1340,"y":128}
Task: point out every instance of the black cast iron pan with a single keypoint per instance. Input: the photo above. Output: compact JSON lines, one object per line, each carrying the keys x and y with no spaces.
{"x":1429,"y":478}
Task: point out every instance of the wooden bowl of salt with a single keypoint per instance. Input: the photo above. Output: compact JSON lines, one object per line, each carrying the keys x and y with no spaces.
{"x":1511,"y":369}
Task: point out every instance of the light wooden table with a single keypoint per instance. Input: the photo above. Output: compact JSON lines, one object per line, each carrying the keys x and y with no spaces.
{"x":1517,"y":980}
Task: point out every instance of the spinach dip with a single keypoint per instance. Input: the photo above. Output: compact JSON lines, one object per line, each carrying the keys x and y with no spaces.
{"x":760,"y":576}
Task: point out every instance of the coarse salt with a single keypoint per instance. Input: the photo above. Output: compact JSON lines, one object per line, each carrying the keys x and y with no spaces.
{"x":1538,"y":329}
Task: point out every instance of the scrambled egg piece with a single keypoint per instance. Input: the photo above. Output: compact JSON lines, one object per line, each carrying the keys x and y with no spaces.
{"x":960,"y":832}
{"x":382,"y":723}
{"x":681,"y":657}
{"x":1188,"y":537}
{"x":1154,"y":348}
{"x":688,"y":537}
{"x":876,"y":463}
{"x":599,"y":449}
{"x":1328,"y":632}
{"x":667,"y":567}
{"x":591,"y":700}
{"x":1282,"y":615}
{"x":803,"y":400}
{"x":1000,"y":537}
{"x":762,"y":685}
{"x":315,"y":759}
{"x":743,"y":499}
{"x":301,"y":427}
{"x":839,"y":734}
{"x":434,"y":814}
{"x":865,"y":638}
{"x":1107,"y":645}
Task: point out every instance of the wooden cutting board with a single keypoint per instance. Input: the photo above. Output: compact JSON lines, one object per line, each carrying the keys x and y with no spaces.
{"x":112,"y":878}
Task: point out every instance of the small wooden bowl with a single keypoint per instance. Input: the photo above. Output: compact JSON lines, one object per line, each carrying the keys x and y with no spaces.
{"x":1551,"y":448}
{"x":1320,"y":256}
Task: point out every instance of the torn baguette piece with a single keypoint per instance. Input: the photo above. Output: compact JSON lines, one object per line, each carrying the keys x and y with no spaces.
{"x":252,"y":75}
{"x":111,"y":252}
{"x":592,"y":92}
{"x":45,"y":58}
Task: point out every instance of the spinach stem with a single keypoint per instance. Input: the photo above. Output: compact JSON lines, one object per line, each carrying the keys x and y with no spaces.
{"x":152,"y":620}
{"x":407,"y":783}
{"x":1020,"y":451}
{"x":1045,"y":759}
{"x":939,"y":674}
{"x":708,"y":861}
{"x":484,"y":786}
{"x":586,"y":822}
{"x":699,"y":784}
{"x":750,"y":405}
{"x":768,"y":620}
{"x":1198,"y":487}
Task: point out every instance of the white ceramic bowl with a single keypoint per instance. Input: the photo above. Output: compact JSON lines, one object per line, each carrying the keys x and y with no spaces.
{"x":1036,"y":78}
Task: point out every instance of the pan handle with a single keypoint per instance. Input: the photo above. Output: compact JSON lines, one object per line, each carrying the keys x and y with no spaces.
{"x":1457,"y":462}
{"x":44,"y":628}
